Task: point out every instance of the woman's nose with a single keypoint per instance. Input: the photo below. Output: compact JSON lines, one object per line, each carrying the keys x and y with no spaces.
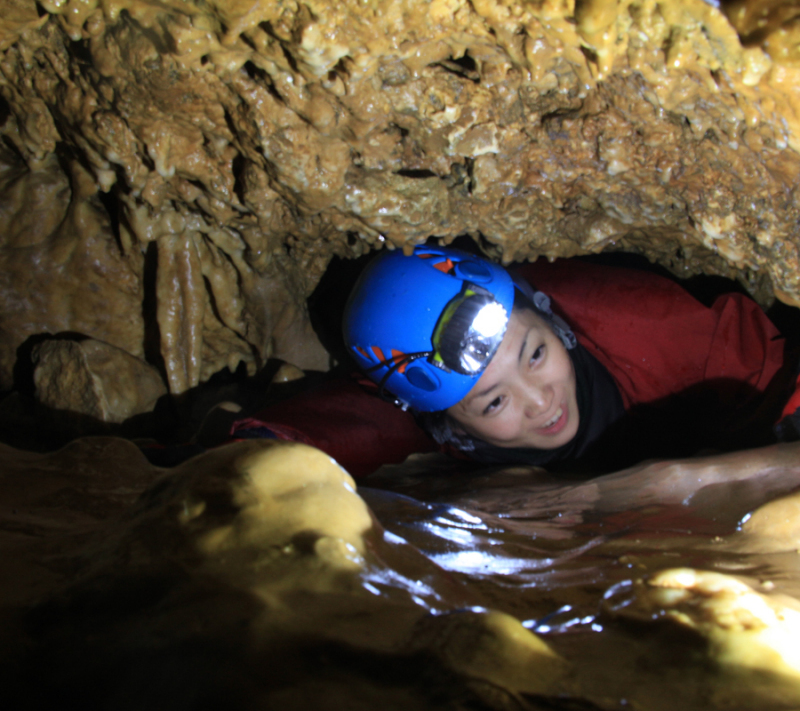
{"x":536,"y":401}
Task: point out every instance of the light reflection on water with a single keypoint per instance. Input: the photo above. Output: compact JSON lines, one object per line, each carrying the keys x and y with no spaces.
{"x":568,"y":559}
{"x":505,"y":555}
{"x":443,"y":592}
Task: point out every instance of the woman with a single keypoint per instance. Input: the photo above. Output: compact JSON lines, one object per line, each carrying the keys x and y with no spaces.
{"x":632,"y":368}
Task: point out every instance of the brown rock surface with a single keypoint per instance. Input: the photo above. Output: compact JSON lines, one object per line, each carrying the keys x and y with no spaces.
{"x":177,"y":175}
{"x":93,"y":378}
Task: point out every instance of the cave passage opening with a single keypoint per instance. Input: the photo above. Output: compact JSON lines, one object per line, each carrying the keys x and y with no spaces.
{"x":327,"y":303}
{"x":178,"y":419}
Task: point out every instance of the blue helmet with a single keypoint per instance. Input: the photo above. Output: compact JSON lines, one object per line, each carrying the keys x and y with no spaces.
{"x":425,"y":327}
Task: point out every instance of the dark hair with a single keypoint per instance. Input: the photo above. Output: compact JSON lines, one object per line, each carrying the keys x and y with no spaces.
{"x":442,"y":426}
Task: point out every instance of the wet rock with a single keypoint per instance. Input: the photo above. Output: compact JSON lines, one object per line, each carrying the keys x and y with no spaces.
{"x":751,"y":634}
{"x":94,"y":378}
{"x":774,"y":527}
{"x":495,"y":648}
{"x":176,"y":178}
{"x":256,"y":556}
{"x":771,"y":24}
{"x":287,"y":373}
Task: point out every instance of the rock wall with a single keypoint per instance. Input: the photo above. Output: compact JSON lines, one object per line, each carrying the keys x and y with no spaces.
{"x":176,"y":175}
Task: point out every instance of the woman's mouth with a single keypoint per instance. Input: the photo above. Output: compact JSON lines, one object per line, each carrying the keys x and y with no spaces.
{"x":556,"y":423}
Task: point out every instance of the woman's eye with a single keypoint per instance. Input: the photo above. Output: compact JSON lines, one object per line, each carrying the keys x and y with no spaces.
{"x":538,"y":353}
{"x":493,"y":405}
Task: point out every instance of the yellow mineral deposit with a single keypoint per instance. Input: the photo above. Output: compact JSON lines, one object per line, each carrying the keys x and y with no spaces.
{"x":495,"y":647}
{"x":772,"y":23}
{"x":749,"y":633}
{"x":773,"y":527}
{"x":283,"y":493}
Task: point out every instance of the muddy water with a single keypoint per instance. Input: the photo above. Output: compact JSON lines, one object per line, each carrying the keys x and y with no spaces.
{"x":255,"y":577}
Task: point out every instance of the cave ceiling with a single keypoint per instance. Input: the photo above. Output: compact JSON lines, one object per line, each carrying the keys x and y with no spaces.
{"x":175,"y":176}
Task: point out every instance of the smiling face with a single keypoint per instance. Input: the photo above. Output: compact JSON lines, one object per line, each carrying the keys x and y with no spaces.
{"x":526,"y":397}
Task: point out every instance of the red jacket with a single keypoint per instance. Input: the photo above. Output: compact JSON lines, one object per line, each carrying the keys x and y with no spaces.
{"x":653,"y":337}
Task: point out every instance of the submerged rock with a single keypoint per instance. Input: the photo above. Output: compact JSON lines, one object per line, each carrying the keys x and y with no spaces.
{"x":751,"y":635}
{"x":253,"y":573}
{"x":256,"y":576}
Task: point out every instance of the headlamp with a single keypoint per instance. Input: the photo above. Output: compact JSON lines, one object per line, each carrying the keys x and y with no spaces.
{"x":469,"y":331}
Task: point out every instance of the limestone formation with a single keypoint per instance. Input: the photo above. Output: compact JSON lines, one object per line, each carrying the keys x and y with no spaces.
{"x":93,"y":378}
{"x":255,"y":576}
{"x":263,"y":562}
{"x":751,"y":635}
{"x":177,"y":175}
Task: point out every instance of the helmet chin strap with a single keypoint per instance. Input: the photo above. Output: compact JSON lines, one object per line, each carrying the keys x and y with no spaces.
{"x":397,"y":362}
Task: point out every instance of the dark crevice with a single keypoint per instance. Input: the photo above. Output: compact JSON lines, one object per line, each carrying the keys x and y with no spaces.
{"x":327,"y":302}
{"x":290,"y":59}
{"x":229,"y":122}
{"x":461,"y":176}
{"x":467,"y":62}
{"x":23,"y":365}
{"x":148,"y":162}
{"x":258,"y":75}
{"x":10,"y":152}
{"x":248,"y":41}
{"x":5,"y":111}
{"x":111,"y":204}
{"x":590,"y":55}
{"x":255,"y":73}
{"x":552,"y":123}
{"x":340,"y":69}
{"x":419,"y":174}
{"x":212,"y":299}
{"x":81,"y":51}
{"x":167,"y":38}
{"x":757,"y":37}
{"x":465,"y":67}
{"x":152,"y":331}
{"x":237,"y":168}
{"x":394,"y":127}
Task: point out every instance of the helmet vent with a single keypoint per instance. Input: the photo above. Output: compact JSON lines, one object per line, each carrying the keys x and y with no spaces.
{"x":398,"y":357}
{"x":439,"y":261}
{"x":445,"y":267}
{"x":422,"y":379}
{"x":376,"y":356}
